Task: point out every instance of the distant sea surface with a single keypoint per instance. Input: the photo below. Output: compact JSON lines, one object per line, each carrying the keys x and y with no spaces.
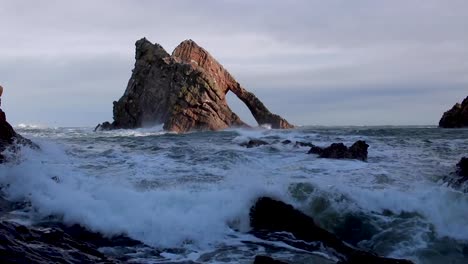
{"x":188,"y":195}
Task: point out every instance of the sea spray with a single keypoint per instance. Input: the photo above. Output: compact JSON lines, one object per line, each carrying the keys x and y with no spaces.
{"x":194,"y":190}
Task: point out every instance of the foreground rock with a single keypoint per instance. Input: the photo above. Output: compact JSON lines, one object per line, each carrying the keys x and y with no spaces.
{"x":459,"y":179}
{"x":268,"y":216}
{"x":9,"y":138}
{"x":21,"y":244}
{"x":339,"y":151}
{"x":456,"y":117}
{"x":462,"y":167}
{"x":185,"y":91}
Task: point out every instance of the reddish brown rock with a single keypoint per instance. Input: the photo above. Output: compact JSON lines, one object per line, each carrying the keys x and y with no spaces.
{"x":188,"y":51}
{"x":185,"y":91}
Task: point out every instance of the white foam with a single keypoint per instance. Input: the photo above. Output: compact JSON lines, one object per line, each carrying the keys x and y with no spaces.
{"x":166,"y":217}
{"x":31,"y":126}
{"x":181,"y":208}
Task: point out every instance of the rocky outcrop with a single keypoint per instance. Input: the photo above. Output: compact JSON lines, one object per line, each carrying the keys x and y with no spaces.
{"x":185,"y":91}
{"x":462,"y":167}
{"x":58,"y":243}
{"x":9,"y":138}
{"x":21,"y":244}
{"x":456,"y":117}
{"x":339,"y":151}
{"x":459,"y":178}
{"x":270,"y":216}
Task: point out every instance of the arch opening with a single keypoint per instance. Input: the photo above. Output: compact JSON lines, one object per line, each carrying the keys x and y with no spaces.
{"x":238,"y":107}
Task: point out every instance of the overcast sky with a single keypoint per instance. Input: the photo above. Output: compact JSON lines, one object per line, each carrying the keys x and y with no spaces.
{"x":360,"y":62}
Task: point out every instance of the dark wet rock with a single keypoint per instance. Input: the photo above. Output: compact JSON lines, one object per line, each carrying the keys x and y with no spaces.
{"x":459,"y":178}
{"x":184,"y":91}
{"x":303,"y":144}
{"x":80,"y":233}
{"x":104,"y":127}
{"x":286,"y":142}
{"x":462,"y":168}
{"x":465,"y":250}
{"x":269,"y":216}
{"x":335,"y":151}
{"x":358,"y":150}
{"x":315,"y":150}
{"x":456,"y":117}
{"x":267,"y":260}
{"x":339,"y":151}
{"x":10,"y":139}
{"x":254,"y":143}
{"x":21,"y":244}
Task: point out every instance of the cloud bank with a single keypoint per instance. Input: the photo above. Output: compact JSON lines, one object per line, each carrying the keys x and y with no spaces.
{"x":332,"y":62}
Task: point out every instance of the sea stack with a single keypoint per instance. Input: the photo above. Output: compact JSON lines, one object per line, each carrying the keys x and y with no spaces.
{"x":456,"y":117}
{"x":184,"y":91}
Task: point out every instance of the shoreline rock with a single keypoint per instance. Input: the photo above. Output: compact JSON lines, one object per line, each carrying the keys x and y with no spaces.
{"x":457,"y":117}
{"x":9,"y":137}
{"x":459,"y":178}
{"x":23,"y":244}
{"x":269,"y":216}
{"x":462,"y":167}
{"x":184,"y":91}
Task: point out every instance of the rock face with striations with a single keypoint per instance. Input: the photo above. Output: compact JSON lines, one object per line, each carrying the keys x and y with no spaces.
{"x":185,"y":91}
{"x":456,"y":117}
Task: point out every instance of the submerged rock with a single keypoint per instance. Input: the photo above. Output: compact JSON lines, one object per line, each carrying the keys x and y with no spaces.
{"x":303,"y":144}
{"x":269,"y":216}
{"x":185,"y":91}
{"x":254,"y":143}
{"x":9,"y":138}
{"x":456,"y":117}
{"x":339,"y":151}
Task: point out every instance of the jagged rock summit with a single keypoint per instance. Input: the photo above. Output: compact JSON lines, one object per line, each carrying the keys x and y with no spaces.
{"x":456,"y":117}
{"x":185,"y":91}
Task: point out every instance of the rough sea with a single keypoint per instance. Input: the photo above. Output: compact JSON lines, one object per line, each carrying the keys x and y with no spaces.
{"x":187,"y":196}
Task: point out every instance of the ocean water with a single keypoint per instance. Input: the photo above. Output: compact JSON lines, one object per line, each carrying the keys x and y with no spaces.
{"x":187,"y":196}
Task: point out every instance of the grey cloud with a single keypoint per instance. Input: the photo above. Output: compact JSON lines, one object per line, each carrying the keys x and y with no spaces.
{"x":81,"y":52}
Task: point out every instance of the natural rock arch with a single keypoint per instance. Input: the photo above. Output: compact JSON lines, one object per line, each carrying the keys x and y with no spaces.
{"x":185,"y":91}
